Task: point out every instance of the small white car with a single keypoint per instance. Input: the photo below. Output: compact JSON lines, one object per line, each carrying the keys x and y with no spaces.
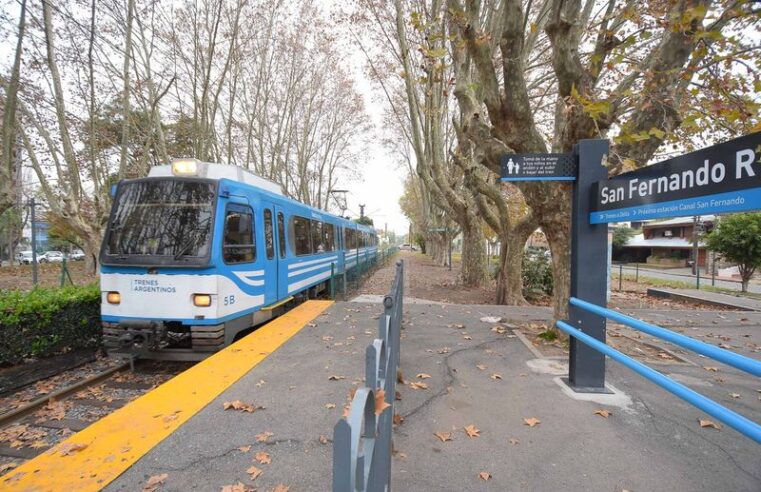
{"x":77,"y":255}
{"x":24,"y":257}
{"x":52,"y":257}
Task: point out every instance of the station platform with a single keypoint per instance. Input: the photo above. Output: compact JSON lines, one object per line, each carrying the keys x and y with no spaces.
{"x":297,"y":372}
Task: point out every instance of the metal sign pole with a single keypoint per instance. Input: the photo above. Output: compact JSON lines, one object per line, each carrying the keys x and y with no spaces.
{"x":589,"y":243}
{"x":34,"y":242}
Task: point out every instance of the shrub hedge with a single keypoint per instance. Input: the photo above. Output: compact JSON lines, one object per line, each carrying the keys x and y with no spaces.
{"x":45,"y":321}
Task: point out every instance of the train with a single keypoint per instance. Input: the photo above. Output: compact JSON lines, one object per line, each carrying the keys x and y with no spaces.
{"x":197,"y":253}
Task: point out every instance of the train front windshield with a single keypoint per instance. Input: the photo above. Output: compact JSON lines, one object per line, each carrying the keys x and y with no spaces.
{"x":161,"y":222}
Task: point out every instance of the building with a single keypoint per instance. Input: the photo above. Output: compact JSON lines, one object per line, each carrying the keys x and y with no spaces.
{"x":668,"y":243}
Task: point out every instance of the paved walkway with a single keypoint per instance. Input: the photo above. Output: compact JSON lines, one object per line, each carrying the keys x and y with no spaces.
{"x":706,"y":297}
{"x":651,"y":441}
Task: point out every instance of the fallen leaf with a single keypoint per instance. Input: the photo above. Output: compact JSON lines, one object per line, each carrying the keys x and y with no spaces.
{"x":484,"y":475}
{"x":153,"y":482}
{"x":264,"y":436}
{"x":323,"y":440}
{"x":238,"y":487}
{"x":603,"y":413}
{"x":398,"y":419}
{"x":735,"y":395}
{"x":70,"y":448}
{"x":244,"y":449}
{"x":418,"y":385}
{"x":444,"y":350}
{"x":472,"y":431}
{"x":710,"y":368}
{"x":263,"y":457}
{"x":8,"y":466}
{"x":481,"y":367}
{"x":423,"y":375}
{"x":467,"y":337}
{"x":709,"y":423}
{"x":444,"y":436}
{"x":532,"y":421}
{"x":380,"y":402}
{"x":491,"y":319}
{"x":38,"y":444}
{"x":336,"y":378}
{"x":281,"y":488}
{"x":330,"y":406}
{"x":242,"y":406}
{"x":254,"y":472}
{"x":514,"y":441}
{"x":496,"y":376}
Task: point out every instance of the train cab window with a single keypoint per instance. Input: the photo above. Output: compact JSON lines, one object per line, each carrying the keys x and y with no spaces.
{"x":329,"y":237}
{"x":238,"y":245}
{"x":318,"y":241}
{"x":302,"y":240}
{"x":281,"y":233}
{"x":269,"y":239}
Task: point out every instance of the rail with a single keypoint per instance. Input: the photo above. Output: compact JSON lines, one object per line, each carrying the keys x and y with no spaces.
{"x":732,"y":419}
{"x":362,"y":441}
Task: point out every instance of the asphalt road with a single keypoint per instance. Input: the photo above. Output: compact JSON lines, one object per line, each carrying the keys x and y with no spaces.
{"x":652,"y":440}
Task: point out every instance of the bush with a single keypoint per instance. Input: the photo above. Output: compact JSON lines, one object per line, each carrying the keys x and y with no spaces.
{"x":537,"y":275}
{"x":43,"y":321}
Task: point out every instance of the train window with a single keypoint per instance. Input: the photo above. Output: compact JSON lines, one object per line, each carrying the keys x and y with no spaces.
{"x":238,"y":245}
{"x":281,"y":233}
{"x":301,"y":236}
{"x":269,"y":240}
{"x":329,"y":237}
{"x":318,"y":242}
{"x":351,"y":239}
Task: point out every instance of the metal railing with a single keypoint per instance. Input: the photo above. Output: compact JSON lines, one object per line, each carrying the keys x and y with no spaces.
{"x":362,"y":442}
{"x":364,"y":265}
{"x":736,"y":421}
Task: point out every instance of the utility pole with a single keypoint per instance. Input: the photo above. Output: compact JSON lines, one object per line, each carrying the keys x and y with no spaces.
{"x":34,"y":242}
{"x":361,"y":211}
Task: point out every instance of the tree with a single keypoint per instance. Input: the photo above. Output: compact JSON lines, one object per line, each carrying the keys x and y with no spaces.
{"x":737,"y":239}
{"x":365,"y":221}
{"x":621,"y":236}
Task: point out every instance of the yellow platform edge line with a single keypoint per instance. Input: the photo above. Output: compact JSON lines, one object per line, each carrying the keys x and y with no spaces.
{"x":114,"y":443}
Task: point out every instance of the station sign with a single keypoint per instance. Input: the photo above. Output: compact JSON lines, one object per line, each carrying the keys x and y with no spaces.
{"x":723,"y":178}
{"x":538,"y":167}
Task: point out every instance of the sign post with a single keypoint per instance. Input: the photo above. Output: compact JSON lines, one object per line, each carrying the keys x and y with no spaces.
{"x":589,"y":272}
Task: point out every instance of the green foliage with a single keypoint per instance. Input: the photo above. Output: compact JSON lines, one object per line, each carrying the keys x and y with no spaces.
{"x":537,"y":275}
{"x":621,"y":235}
{"x":45,"y":321}
{"x":548,"y":335}
{"x":364,"y":220}
{"x":419,"y":239}
{"x":738,"y":240}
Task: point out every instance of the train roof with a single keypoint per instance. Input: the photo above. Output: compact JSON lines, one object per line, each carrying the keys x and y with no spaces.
{"x":213,"y":170}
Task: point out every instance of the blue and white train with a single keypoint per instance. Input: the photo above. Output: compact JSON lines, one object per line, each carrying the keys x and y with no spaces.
{"x":198,"y":252}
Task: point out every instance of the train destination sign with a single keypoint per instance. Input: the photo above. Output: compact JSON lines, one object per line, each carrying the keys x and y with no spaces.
{"x":538,"y":167}
{"x":723,"y":178}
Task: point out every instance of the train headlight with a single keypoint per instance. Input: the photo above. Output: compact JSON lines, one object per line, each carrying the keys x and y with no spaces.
{"x":113,"y":298}
{"x":202,"y":300}
{"x":185,"y":167}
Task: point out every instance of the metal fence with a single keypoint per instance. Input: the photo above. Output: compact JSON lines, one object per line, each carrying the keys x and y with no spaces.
{"x":361,"y":266}
{"x":362,"y":442}
{"x":736,"y":421}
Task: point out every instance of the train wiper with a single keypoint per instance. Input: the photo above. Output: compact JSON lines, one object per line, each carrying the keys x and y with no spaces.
{"x":191,"y":240}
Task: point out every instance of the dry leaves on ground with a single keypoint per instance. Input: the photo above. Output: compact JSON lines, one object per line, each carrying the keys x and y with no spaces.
{"x":735,"y":395}
{"x":484,"y":475}
{"x":154,"y":482}
{"x":264,"y":436}
{"x":496,"y":376}
{"x":323,"y":439}
{"x":263,"y":457}
{"x":423,"y":375}
{"x":238,"y":487}
{"x":709,"y":423}
{"x":254,"y":472}
{"x":380,"y":401}
{"x":514,"y":441}
{"x":603,"y":413}
{"x":472,"y":431}
{"x":398,"y":419}
{"x":467,"y":337}
{"x":532,"y":421}
{"x":330,"y":406}
{"x":481,"y":367}
{"x":244,"y":449}
{"x":69,"y":448}
{"x":242,"y":406}
{"x":418,"y":385}
{"x":333,"y":377}
{"x":8,"y":466}
{"x":444,"y":436}
{"x":711,"y":368}
{"x":281,"y":488}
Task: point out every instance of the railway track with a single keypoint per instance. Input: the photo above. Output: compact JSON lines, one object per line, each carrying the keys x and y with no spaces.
{"x":31,"y":427}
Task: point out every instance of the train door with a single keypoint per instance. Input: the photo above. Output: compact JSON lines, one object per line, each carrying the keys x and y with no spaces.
{"x":270,"y":256}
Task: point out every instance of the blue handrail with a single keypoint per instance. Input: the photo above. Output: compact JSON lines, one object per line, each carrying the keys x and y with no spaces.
{"x":732,"y":419}
{"x":727,"y":357}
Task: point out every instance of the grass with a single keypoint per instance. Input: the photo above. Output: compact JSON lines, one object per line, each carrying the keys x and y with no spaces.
{"x":657,"y":282}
